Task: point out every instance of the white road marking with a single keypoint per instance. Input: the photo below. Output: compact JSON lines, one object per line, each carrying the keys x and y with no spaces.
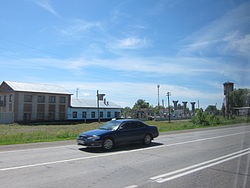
{"x":117,"y":153}
{"x":198,"y":165}
{"x":31,"y":149}
{"x":131,"y":186}
{"x":194,"y":168}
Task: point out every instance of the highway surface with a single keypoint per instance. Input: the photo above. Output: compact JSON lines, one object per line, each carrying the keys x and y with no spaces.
{"x":206,"y":158}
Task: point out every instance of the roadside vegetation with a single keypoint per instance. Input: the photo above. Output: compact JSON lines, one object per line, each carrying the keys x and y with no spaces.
{"x":209,"y":121}
{"x":15,"y":134}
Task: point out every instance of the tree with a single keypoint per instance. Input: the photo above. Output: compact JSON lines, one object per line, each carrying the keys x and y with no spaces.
{"x":126,"y":112}
{"x":211,"y":109}
{"x":239,"y":98}
{"x":142,"y":109}
{"x":140,"y":104}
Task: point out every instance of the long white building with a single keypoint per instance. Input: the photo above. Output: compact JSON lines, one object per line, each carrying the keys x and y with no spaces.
{"x":82,"y":109}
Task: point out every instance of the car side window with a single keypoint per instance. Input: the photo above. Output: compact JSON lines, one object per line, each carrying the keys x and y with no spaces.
{"x":132,"y":125}
{"x":137,"y":125}
{"x":140,"y":125}
{"x":126,"y":126}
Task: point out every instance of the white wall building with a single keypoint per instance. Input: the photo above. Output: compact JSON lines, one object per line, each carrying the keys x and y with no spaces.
{"x":82,"y":109}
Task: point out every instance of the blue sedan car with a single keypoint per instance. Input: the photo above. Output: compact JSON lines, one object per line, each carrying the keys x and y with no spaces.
{"x":118,"y":132}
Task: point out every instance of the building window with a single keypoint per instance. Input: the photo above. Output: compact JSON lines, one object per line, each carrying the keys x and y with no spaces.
{"x":52,"y":99}
{"x":52,"y":111}
{"x":108,"y":114}
{"x":92,"y":114}
{"x":27,"y":98}
{"x":40,"y":116}
{"x":41,"y":99}
{"x":4,"y":100}
{"x":10,"y":98}
{"x":26,"y":116}
{"x":10,"y":107}
{"x":117,"y":114}
{"x":62,"y":108}
{"x":74,"y":114}
{"x":27,"y":107}
{"x":40,"y":108}
{"x":62,"y":112}
{"x":1,"y":102}
{"x":62,"y":99}
{"x":84,"y":115}
{"x":52,"y":116}
{"x":101,"y":114}
{"x":40,"y":111}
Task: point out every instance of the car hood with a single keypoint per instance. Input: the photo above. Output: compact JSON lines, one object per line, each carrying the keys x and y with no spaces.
{"x":97,"y":132}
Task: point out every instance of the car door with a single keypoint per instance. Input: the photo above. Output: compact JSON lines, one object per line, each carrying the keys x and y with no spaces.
{"x":131,"y":131}
{"x":138,"y":130}
{"x":125,"y":133}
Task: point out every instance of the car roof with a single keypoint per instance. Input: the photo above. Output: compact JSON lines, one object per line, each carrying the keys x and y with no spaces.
{"x":125,"y":120}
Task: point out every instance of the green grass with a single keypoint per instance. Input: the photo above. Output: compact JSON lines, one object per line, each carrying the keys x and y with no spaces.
{"x":164,"y":126}
{"x":16,"y":134}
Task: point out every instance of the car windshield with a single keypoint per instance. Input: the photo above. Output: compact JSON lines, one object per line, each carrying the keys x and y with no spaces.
{"x":110,"y":125}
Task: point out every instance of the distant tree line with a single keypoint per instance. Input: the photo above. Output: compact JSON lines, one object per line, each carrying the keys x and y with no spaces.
{"x":143,"y":107}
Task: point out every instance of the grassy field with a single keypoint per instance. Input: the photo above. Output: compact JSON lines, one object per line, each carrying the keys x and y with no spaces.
{"x":15,"y":134}
{"x":164,"y":126}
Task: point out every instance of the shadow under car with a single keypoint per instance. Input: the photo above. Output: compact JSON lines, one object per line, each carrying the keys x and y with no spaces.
{"x":126,"y":147}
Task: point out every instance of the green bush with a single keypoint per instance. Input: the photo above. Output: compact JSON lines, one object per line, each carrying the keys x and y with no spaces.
{"x":205,"y":119}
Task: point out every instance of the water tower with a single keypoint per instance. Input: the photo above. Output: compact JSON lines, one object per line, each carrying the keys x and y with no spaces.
{"x":228,"y":88}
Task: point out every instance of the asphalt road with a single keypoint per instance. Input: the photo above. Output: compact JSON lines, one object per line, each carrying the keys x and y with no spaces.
{"x":204,"y":158}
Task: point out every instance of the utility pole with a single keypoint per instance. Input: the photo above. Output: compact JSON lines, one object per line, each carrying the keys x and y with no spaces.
{"x":168,"y":94}
{"x":98,"y":108}
{"x":99,"y":98}
{"x":158,"y":90}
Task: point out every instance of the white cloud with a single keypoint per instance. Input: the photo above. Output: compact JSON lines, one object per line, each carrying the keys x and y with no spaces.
{"x":45,"y":4}
{"x":226,"y":35}
{"x":157,"y":65}
{"x":129,"y":43}
{"x":239,"y":44}
{"x":78,"y":26}
{"x":150,"y":65}
{"x":128,"y":92}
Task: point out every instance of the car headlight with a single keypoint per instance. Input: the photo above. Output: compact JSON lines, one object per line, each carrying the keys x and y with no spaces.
{"x":93,"y":138}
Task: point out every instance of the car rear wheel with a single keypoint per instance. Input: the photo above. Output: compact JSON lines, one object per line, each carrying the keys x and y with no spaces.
{"x":147,"y":139}
{"x":108,"y":144}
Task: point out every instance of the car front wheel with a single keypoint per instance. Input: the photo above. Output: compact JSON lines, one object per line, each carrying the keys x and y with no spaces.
{"x":147,"y":139}
{"x":108,"y":144}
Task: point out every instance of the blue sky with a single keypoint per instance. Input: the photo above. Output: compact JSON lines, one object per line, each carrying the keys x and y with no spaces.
{"x":125,"y":48}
